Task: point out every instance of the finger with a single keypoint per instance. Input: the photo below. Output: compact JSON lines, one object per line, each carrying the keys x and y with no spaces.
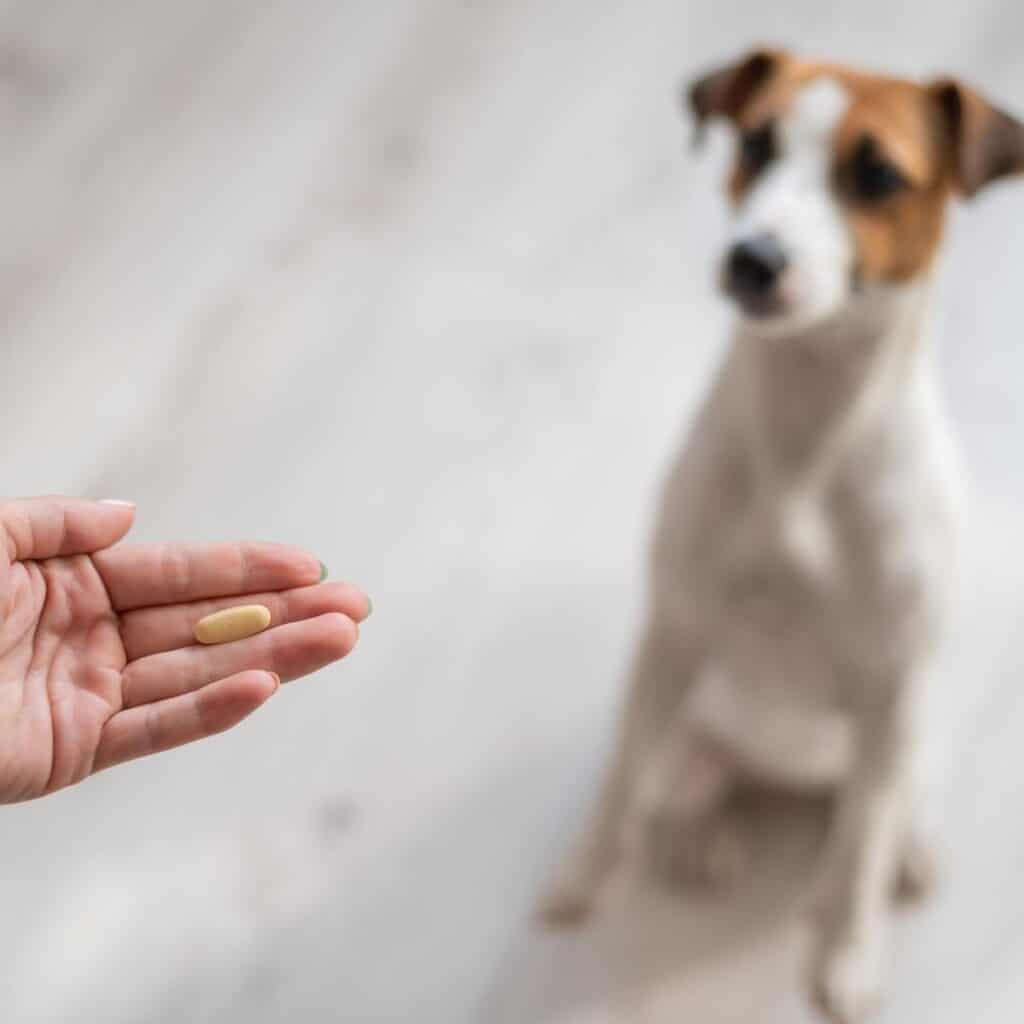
{"x":36,"y":528}
{"x":138,"y":732}
{"x":148,"y":631}
{"x":292,"y":650}
{"x":139,"y":575}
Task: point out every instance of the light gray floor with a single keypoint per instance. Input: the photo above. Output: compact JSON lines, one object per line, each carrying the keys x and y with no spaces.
{"x":426,"y":286}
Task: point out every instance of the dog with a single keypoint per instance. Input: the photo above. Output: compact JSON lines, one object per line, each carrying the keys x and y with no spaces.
{"x":805,"y":555}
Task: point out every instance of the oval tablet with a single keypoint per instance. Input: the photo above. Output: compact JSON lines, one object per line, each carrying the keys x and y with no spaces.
{"x":233,"y":624}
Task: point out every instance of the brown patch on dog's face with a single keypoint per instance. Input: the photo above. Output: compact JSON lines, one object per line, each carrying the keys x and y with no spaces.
{"x":891,"y":168}
{"x":892,"y":176}
{"x":759,"y":119}
{"x":899,"y":151}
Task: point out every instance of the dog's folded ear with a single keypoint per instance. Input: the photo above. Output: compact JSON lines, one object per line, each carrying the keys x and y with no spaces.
{"x":725,"y":91}
{"x":985,"y":143}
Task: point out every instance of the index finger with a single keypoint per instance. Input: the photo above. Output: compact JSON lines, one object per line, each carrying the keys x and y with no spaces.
{"x":38,"y":528}
{"x":141,"y":575}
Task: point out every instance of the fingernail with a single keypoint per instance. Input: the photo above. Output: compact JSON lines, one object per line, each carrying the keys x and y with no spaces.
{"x":277,"y":680}
{"x":323,"y":572}
{"x":117,"y":501}
{"x":369,"y":606}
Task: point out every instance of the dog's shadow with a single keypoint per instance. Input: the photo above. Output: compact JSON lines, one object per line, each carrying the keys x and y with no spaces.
{"x":658,"y":954}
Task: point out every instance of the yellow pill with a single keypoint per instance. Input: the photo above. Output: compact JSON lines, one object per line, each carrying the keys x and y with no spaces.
{"x":233,"y":624}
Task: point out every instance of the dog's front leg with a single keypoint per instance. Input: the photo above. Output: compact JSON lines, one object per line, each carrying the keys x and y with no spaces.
{"x":664,"y":666}
{"x":869,"y":827}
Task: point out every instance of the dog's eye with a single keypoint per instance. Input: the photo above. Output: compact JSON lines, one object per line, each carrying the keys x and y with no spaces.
{"x":872,"y":175}
{"x":758,"y":147}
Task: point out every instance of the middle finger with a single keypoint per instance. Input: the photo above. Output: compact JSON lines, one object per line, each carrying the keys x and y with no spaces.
{"x":292,"y":650}
{"x":148,"y":631}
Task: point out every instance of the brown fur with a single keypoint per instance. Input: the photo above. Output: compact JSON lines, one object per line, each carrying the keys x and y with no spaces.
{"x":986,"y":143}
{"x":898,"y":236}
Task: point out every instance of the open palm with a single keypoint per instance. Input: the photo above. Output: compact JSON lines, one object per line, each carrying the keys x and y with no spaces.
{"x":97,"y":659}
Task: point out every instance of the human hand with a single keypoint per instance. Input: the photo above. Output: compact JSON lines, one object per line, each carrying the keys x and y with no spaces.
{"x":98,"y":664}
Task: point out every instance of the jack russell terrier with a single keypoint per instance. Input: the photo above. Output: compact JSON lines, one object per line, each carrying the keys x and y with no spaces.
{"x":806,"y":544}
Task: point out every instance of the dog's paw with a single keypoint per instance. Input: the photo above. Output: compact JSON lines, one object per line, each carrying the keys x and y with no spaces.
{"x":846,"y":982}
{"x":706,"y":854}
{"x":917,"y":872}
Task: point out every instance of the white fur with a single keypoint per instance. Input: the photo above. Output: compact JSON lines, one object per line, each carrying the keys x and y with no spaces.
{"x":793,"y":199}
{"x":800,"y":575}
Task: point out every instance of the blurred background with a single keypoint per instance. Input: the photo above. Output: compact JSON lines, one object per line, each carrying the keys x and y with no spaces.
{"x":426,"y":286}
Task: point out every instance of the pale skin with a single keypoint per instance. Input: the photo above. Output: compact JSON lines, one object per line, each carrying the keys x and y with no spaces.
{"x":98,"y":662}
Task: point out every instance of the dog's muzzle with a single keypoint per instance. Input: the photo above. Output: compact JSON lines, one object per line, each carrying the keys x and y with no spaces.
{"x":753,"y":269}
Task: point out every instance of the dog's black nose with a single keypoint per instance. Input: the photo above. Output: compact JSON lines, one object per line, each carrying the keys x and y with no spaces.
{"x":754,"y":266}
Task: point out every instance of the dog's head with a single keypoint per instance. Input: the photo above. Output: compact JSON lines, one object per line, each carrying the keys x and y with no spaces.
{"x":841,"y":179}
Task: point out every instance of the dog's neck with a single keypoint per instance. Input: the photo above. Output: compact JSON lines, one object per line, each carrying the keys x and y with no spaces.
{"x":807,"y":398}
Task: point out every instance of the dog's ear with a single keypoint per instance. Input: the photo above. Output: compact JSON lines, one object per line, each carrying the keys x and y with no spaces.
{"x":725,"y":91}
{"x":985,"y":143}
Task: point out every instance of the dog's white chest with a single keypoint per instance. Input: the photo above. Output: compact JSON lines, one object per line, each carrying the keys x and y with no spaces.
{"x":778,"y":738}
